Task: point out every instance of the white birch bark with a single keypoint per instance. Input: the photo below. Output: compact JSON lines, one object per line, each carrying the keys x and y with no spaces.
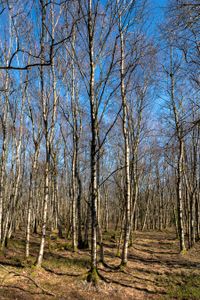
{"x":126,"y":147}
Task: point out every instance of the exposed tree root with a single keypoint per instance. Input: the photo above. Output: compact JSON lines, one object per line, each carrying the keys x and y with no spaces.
{"x":119,"y":268}
{"x":114,"y":271}
{"x":131,"y":275}
{"x":44,"y":291}
{"x":109,"y":266}
{"x":108,"y":271}
{"x":109,"y":280}
{"x":103,"y":278}
{"x":93,"y":276}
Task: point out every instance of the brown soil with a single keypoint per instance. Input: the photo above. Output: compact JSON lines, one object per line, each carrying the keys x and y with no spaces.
{"x":153,"y":260}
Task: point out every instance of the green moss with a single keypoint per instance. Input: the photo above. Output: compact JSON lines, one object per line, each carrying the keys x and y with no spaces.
{"x":28,"y":262}
{"x":75,"y":249}
{"x":2,"y":252}
{"x":34,"y":271}
{"x":184,"y":287}
{"x":183,"y":252}
{"x":55,"y":261}
{"x":67,"y":246}
{"x":118,"y":254}
{"x":123,"y":266}
{"x":130,"y":244}
{"x":55,"y":245}
{"x":93,"y":276}
{"x":33,"y":267}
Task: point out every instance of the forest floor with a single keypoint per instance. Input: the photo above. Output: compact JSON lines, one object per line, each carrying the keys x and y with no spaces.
{"x":155,"y":270}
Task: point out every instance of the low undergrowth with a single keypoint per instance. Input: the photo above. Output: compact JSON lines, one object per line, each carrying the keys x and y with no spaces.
{"x":155,"y":269}
{"x":183,"y":287}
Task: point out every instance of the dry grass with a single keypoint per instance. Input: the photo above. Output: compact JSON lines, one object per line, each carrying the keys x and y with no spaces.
{"x":155,"y":270}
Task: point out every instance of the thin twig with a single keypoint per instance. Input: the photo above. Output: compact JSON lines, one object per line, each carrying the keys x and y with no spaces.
{"x":46,"y":292}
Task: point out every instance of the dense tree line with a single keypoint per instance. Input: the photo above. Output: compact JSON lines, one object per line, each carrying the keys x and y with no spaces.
{"x":99,"y":124}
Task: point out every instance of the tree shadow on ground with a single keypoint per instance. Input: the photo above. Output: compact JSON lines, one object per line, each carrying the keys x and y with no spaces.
{"x":156,"y":252}
{"x":164,"y":262}
{"x":67,"y":261}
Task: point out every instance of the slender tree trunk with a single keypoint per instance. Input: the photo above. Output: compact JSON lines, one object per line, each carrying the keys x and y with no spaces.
{"x":93,"y":112}
{"x":86,"y":233}
{"x":74,"y":156}
{"x":48,"y":130}
{"x":147,"y":210}
{"x":179,"y":197}
{"x":12,"y":211}
{"x":3,"y":156}
{"x":126,"y":150}
{"x":45,"y":206}
{"x":30,"y":201}
{"x":80,"y":239}
{"x":180,"y":159}
{"x":47,"y":145}
{"x":74,"y":238}
{"x":106,"y":211}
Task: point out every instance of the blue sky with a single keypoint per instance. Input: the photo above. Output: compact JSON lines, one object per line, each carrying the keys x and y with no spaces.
{"x":157,"y":8}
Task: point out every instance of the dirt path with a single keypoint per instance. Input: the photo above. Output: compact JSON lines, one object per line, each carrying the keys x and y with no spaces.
{"x":154,"y":267}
